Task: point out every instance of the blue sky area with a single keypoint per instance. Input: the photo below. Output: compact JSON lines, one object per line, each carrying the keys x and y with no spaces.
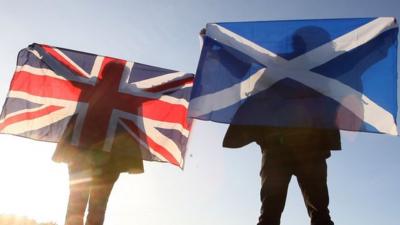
{"x":218,"y":186}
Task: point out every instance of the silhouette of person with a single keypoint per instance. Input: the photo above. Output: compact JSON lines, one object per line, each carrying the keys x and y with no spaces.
{"x":286,"y":151}
{"x":302,"y":150}
{"x":92,"y":171}
{"x":92,"y":175}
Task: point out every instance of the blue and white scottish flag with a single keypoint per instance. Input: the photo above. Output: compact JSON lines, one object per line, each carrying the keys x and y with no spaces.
{"x":326,"y":73}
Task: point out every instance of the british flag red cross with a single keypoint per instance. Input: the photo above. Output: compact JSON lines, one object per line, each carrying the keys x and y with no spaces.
{"x":51,"y":85}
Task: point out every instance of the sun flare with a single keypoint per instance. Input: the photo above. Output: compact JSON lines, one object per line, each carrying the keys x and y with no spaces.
{"x":32,"y":185}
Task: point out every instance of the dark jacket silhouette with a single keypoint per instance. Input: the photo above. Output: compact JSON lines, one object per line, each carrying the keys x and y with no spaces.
{"x":299,"y":150}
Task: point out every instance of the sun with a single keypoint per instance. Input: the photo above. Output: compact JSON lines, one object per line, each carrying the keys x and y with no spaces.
{"x":32,"y":184}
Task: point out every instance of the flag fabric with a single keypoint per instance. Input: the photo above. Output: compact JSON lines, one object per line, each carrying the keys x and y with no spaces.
{"x":325,"y":73}
{"x":104,"y":95}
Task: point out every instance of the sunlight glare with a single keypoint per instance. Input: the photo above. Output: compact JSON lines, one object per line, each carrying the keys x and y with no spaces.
{"x":32,"y":184}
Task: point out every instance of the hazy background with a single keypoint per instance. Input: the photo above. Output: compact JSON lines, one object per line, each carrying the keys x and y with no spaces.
{"x":218,"y":186}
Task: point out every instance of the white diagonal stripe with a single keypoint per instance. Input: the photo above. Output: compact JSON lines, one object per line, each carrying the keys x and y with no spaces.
{"x":39,"y":71}
{"x":69,"y":108}
{"x":9,"y":115}
{"x":51,"y":73}
{"x":35,"y":53}
{"x":144,"y":144}
{"x":168,"y":125}
{"x":371,"y":113}
{"x":344,"y":43}
{"x":173,"y":100}
{"x":37,"y":123}
{"x":43,"y":100}
{"x":147,"y":126}
{"x":231,"y":39}
{"x":221,"y":99}
{"x":71,"y":62}
{"x":161,"y":139}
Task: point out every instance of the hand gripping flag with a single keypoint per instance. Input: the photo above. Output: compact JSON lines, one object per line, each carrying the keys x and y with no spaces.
{"x":104,"y":95}
{"x":329,"y":73}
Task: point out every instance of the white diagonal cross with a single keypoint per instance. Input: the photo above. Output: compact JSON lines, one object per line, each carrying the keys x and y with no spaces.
{"x":278,"y":68}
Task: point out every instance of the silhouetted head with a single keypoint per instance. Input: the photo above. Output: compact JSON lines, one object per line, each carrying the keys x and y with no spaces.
{"x":308,"y":38}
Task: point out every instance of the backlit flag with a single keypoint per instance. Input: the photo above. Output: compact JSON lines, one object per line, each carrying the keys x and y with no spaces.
{"x":326,"y":73}
{"x":104,"y":95}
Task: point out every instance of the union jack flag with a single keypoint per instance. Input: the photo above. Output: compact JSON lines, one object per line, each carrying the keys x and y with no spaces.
{"x":52,"y":85}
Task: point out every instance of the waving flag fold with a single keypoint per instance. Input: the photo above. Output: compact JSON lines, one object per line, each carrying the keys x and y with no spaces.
{"x":104,"y":95}
{"x":327,"y":73}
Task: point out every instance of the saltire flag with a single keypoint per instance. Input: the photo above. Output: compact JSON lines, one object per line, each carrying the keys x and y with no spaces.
{"x":324,"y":73}
{"x":103,"y":95}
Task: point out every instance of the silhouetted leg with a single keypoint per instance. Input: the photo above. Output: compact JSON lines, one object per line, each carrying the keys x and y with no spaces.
{"x":79,"y":185}
{"x":99,"y":195}
{"x":275,"y":177}
{"x":312,"y":179}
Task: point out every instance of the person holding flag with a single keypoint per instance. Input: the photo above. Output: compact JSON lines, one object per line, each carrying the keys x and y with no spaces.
{"x":106,"y":115}
{"x":290,"y":151}
{"x":290,"y":86}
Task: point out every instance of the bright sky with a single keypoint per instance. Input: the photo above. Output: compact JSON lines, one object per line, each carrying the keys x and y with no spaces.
{"x":218,"y":186}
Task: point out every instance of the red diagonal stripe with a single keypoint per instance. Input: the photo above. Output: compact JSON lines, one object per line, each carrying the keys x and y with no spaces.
{"x":28,"y":116}
{"x":159,"y":110}
{"x":61,"y":59}
{"x":46,"y":86}
{"x":156,"y":147}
